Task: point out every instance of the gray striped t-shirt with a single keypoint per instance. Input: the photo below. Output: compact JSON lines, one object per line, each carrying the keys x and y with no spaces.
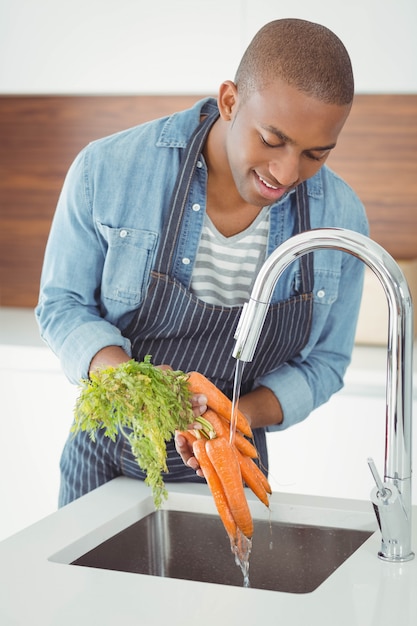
{"x":226,"y":267}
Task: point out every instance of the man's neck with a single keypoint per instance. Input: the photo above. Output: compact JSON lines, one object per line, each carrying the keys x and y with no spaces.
{"x":226,"y":208}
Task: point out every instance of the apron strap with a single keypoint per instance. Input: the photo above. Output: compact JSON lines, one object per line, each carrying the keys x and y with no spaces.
{"x":303,"y":215}
{"x":173,"y":224}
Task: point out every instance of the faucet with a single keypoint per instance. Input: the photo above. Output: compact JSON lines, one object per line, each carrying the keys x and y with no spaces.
{"x":391,"y":498}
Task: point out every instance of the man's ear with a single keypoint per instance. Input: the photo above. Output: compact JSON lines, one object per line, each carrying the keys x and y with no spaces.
{"x":227,"y":99}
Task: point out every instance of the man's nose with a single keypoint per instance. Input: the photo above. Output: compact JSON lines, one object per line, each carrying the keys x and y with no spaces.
{"x":285,"y":170}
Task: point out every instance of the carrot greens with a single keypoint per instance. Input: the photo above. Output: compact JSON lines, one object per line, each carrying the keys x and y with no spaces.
{"x":142,"y":402}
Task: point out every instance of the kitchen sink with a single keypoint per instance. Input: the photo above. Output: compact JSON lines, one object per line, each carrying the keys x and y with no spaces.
{"x":287,"y":556}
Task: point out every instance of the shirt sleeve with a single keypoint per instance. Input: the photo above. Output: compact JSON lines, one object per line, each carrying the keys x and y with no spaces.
{"x":69,"y":312}
{"x":312,"y":377}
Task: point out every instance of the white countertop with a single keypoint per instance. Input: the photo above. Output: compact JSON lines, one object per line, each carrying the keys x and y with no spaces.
{"x":363,"y":591}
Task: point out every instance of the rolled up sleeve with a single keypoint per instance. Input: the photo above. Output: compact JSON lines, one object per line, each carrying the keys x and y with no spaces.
{"x":296,"y":406}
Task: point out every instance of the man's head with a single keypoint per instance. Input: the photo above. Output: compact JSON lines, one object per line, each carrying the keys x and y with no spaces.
{"x":281,"y":117}
{"x":302,"y":54}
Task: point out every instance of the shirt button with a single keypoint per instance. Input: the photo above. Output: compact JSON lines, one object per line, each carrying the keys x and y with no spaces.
{"x":186,"y":261}
{"x":199,"y":164}
{"x":196,"y":207}
{"x":123,"y":233}
{"x":321,"y":293}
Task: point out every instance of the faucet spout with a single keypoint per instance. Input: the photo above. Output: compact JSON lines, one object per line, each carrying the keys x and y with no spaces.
{"x":393,"y":514}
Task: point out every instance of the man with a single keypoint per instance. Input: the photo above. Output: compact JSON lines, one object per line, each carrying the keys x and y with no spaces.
{"x":161,"y":229}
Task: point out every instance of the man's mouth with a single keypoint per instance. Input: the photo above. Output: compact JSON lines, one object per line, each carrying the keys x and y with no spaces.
{"x":266,"y":183}
{"x":268,"y":191}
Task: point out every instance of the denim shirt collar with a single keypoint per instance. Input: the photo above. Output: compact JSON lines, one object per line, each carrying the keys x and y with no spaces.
{"x":178,"y":128}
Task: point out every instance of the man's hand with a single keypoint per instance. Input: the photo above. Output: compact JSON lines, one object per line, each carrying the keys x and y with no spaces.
{"x":185,"y":451}
{"x":199,"y":404}
{"x":260,"y":407}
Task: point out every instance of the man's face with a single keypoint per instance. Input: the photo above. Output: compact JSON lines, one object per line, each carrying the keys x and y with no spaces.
{"x":278,"y":138}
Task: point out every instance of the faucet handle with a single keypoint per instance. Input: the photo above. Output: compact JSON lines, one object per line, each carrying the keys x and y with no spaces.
{"x":383,"y":492}
{"x":392,"y":519}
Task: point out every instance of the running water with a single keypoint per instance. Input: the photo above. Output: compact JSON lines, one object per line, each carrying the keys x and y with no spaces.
{"x":242,"y":546}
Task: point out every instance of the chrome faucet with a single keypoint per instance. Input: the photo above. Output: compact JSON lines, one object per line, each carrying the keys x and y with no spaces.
{"x":391,"y":497}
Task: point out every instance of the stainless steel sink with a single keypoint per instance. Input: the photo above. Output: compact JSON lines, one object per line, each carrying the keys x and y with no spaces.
{"x":286,"y":556}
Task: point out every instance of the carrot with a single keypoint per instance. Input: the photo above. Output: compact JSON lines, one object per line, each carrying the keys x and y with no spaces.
{"x":216,"y":488}
{"x":221,"y":426}
{"x":217,"y":400}
{"x":254,"y":478}
{"x":245,"y":446}
{"x":224,"y":460}
{"x":260,"y":476}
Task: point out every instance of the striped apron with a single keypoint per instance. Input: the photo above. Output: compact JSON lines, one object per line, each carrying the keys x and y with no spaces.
{"x":178,"y":329}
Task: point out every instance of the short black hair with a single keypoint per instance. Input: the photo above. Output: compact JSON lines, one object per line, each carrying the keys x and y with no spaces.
{"x":306,"y":55}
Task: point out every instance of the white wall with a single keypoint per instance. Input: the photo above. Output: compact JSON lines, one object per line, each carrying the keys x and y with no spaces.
{"x":186,"y":46}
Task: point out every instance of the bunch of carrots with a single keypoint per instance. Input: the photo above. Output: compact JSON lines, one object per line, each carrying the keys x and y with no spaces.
{"x":227,"y":463}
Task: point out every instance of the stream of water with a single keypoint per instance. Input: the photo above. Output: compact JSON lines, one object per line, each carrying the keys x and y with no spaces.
{"x":242,"y":547}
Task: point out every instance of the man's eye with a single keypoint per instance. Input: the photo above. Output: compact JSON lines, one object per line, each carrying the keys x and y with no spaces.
{"x":270,"y":145}
{"x":317,"y":157}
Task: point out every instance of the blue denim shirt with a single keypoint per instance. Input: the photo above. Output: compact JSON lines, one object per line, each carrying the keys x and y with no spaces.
{"x":105,"y":234}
